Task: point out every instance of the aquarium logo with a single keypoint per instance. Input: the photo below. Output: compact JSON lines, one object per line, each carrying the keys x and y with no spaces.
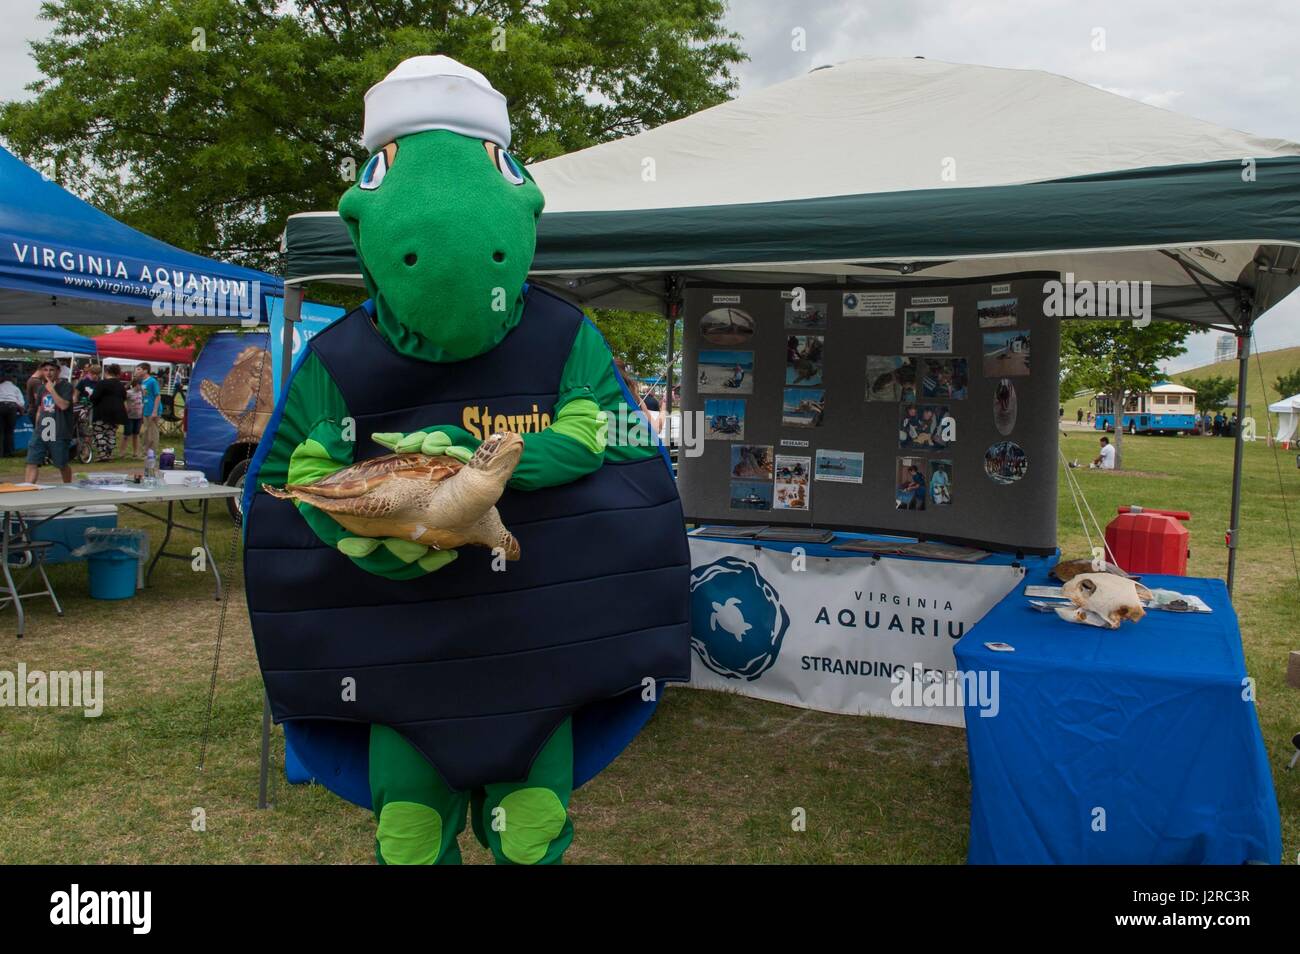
{"x":737,"y":620}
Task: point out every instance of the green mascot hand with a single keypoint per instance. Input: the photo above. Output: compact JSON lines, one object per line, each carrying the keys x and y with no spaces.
{"x":325,"y":451}
{"x":447,"y":440}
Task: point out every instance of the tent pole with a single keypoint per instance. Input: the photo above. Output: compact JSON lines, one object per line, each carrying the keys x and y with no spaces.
{"x":1243,"y":365}
{"x":672,"y":311}
{"x":293,"y":295}
{"x":668,"y":375}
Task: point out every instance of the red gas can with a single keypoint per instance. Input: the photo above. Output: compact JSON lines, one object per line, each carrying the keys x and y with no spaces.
{"x":1149,"y":541}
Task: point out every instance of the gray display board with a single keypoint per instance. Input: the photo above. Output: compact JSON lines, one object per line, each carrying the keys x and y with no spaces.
{"x":924,"y":409}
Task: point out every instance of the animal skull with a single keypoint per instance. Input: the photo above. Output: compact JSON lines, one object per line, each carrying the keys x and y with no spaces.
{"x":1112,"y":598}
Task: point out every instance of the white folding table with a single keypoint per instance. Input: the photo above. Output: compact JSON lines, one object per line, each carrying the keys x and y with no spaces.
{"x":57,"y":500}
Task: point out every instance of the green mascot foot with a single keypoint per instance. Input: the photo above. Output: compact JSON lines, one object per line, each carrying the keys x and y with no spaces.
{"x":419,"y":817}
{"x":527,"y":823}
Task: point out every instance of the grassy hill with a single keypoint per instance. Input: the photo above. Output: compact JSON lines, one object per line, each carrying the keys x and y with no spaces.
{"x":1273,"y":363}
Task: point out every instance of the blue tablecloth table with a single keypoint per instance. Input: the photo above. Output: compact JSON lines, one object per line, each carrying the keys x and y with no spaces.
{"x":1133,"y":746}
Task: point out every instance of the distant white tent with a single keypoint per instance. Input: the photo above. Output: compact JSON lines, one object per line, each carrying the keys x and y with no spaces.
{"x":1288,"y":418}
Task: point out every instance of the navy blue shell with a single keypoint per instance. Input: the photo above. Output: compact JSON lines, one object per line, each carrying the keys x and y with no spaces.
{"x":475,"y":668}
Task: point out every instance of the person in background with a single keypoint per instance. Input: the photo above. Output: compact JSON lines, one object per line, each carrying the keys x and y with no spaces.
{"x":649,"y":400}
{"x":109,"y":402}
{"x":152,"y":404}
{"x":35,"y":385}
{"x":52,"y":426}
{"x":1078,"y":416}
{"x":65,"y":370}
{"x":85,"y":385}
{"x":916,"y":485}
{"x":12,"y":403}
{"x":629,"y":382}
{"x":1105,"y":460}
{"x":134,"y":416}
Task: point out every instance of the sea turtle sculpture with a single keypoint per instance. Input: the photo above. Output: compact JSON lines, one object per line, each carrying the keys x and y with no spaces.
{"x":247,"y":381}
{"x":435,"y":501}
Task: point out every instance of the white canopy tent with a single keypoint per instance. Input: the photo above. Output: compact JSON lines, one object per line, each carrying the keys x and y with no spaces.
{"x":1288,"y":418}
{"x":879,"y":168}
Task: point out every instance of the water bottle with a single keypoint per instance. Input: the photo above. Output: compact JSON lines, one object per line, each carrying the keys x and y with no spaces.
{"x":150,"y":468}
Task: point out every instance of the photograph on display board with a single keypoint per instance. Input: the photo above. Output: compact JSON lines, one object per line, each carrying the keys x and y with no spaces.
{"x":867,"y":304}
{"x":803,"y":407}
{"x":996,"y":313}
{"x":941,"y":482}
{"x":944,"y":378}
{"x":836,"y":466}
{"x":1006,"y":354}
{"x":724,"y":420}
{"x":891,"y":377}
{"x":804,"y":359}
{"x":1005,"y":462}
{"x":811,"y":318}
{"x":726,"y":372}
{"x":792,"y":482}
{"x":931,"y":426}
{"x":1004,"y":407}
{"x":751,"y":462}
{"x":927,"y":330}
{"x":910,"y":488}
{"x":751,"y":495}
{"x":727,"y":326}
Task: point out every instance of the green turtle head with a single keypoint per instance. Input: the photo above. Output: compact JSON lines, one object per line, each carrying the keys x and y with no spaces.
{"x":445,"y":226}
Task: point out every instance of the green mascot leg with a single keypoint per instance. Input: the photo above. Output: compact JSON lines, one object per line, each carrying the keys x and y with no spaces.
{"x":527,"y":823}
{"x":419,"y":816}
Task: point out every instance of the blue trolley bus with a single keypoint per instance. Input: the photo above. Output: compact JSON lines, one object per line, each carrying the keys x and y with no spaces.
{"x":1166,"y":409}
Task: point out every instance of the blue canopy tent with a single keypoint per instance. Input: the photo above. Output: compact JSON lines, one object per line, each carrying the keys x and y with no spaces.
{"x":63,"y":261}
{"x":44,"y":338}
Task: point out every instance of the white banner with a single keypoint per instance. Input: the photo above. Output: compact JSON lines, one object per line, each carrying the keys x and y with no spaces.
{"x":837,"y":634}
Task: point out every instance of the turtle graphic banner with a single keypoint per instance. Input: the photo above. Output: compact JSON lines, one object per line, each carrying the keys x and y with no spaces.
{"x":844,"y":634}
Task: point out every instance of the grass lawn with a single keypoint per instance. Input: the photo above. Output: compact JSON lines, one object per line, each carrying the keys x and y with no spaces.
{"x":713,"y":778}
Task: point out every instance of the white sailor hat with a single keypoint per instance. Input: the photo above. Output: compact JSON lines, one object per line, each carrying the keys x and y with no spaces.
{"x":434,"y":92}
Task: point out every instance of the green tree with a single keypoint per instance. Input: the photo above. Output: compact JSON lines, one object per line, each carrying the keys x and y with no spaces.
{"x":1118,"y":358}
{"x":1211,"y":391}
{"x":206,"y":123}
{"x":1288,"y":384}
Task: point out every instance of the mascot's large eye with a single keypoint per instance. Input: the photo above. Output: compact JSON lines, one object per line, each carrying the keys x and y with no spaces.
{"x":375,"y":170}
{"x":505,"y":163}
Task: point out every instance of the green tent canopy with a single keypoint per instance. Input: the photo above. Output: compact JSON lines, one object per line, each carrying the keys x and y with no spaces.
{"x":880,"y":168}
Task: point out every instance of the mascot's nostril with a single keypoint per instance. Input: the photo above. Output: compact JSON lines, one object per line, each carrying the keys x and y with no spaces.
{"x":410,"y":258}
{"x":498,"y":256}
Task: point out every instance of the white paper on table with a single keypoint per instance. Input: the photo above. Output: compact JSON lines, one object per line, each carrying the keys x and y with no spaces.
{"x":123,"y":488}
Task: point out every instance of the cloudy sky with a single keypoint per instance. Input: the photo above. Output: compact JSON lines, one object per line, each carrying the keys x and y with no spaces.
{"x":1231,"y":65}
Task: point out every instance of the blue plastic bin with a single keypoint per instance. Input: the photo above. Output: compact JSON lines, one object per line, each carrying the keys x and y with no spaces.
{"x":112,"y":574}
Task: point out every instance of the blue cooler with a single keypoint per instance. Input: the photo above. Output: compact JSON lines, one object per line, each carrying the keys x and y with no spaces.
{"x":68,"y":531}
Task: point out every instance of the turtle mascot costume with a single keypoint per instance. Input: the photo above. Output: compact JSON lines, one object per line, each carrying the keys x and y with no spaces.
{"x":424,"y":683}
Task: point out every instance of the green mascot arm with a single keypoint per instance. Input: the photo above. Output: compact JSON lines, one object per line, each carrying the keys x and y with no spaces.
{"x":311,"y":443}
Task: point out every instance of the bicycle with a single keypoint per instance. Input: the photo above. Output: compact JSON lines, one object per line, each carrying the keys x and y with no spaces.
{"x":85,"y":433}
